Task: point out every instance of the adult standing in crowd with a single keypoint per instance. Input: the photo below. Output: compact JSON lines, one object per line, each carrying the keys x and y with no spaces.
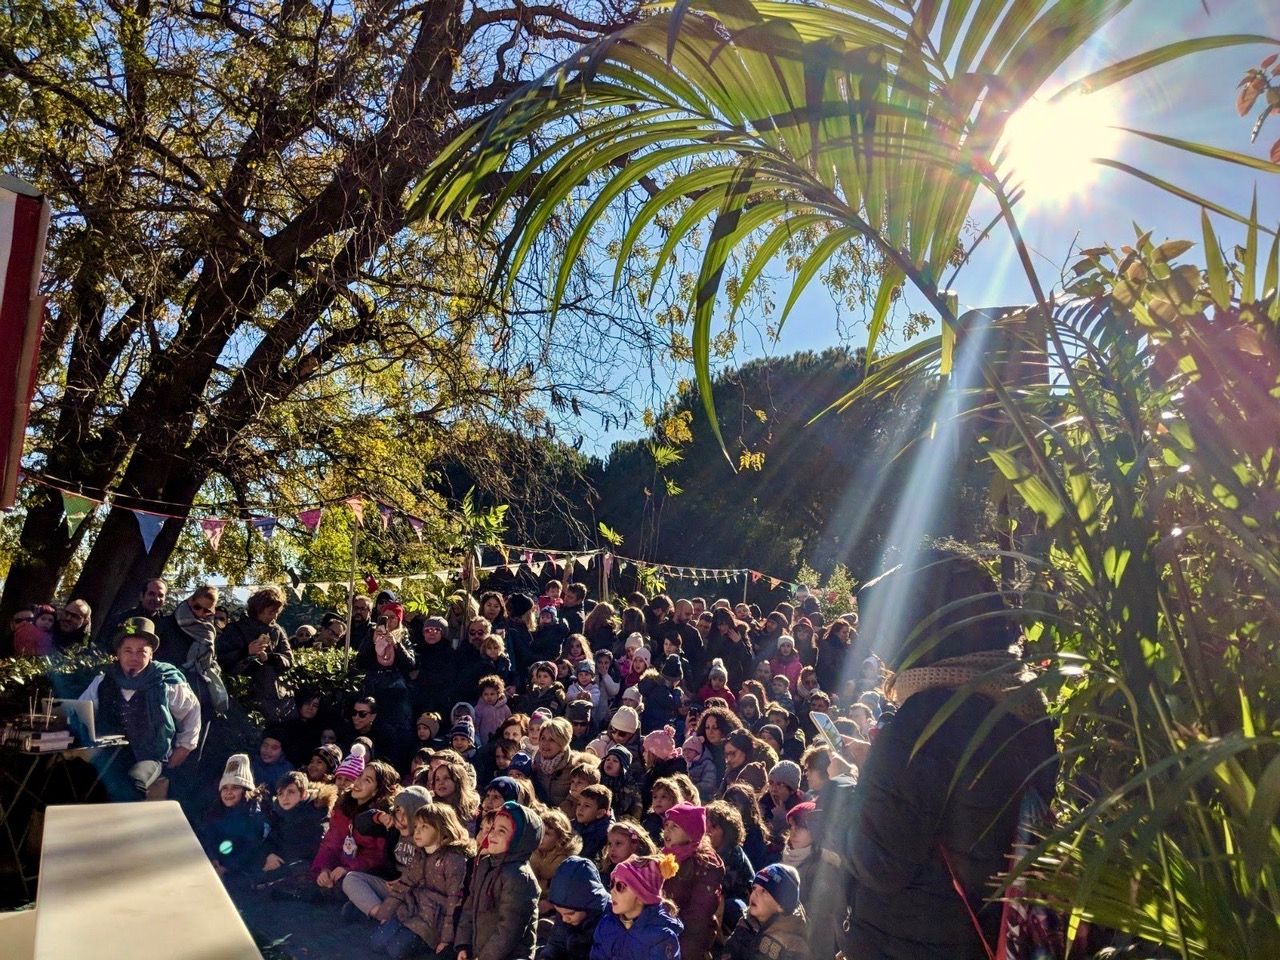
{"x":386,"y":660}
{"x":150,"y":703}
{"x":931,"y":834}
{"x":256,"y":646}
{"x":436,"y":670}
{"x":188,"y":640}
{"x":151,"y":600}
{"x":361,"y":621}
{"x":74,"y":625}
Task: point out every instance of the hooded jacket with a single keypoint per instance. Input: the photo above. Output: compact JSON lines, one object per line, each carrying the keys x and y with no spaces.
{"x":655,"y":935}
{"x":552,"y":698}
{"x":489,"y":717}
{"x":576,"y":886}
{"x":233,"y":836}
{"x":501,"y":907}
{"x":355,"y":843}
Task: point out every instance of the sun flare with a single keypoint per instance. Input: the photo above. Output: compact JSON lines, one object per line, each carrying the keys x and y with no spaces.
{"x":1048,"y":147}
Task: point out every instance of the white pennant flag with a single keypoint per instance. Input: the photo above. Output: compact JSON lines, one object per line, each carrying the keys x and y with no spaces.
{"x":394,"y":582}
{"x":297,"y":589}
{"x":537,"y":568}
{"x":323,"y":586}
{"x":443,"y":576}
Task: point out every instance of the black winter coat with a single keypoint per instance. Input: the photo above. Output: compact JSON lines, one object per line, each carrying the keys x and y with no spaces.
{"x":907,"y":907}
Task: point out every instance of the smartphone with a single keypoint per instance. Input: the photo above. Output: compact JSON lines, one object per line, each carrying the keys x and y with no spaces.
{"x":382,"y":621}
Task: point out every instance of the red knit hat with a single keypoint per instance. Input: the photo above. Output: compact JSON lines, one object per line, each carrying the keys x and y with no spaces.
{"x":690,"y":818}
{"x":644,"y":876}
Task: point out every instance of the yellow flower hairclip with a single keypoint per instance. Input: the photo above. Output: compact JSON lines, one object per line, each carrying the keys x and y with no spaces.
{"x":668,"y":866}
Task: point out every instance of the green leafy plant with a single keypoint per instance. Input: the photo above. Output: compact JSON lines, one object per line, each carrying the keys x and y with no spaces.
{"x":1129,"y":418}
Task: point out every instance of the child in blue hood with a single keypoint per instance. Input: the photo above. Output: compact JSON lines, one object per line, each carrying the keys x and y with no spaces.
{"x":501,"y":906}
{"x":580,"y":900}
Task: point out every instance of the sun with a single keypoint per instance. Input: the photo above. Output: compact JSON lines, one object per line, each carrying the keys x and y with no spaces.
{"x":1048,"y":146}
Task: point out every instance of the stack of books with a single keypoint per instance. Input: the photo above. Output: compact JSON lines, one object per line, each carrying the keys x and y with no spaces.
{"x":38,"y":733}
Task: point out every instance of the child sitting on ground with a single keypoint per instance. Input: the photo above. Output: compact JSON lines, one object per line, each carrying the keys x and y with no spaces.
{"x":593,"y":819}
{"x":626,"y":839}
{"x":501,"y":905}
{"x":774,"y":928}
{"x":298,"y":818}
{"x":422,"y":905}
{"x":323,"y":763}
{"x":491,"y":708}
{"x":559,"y":842}
{"x":615,"y":773}
{"x":367,"y":890}
{"x":580,"y":900}
{"x":355,"y":840}
{"x":698,"y":887}
{"x":234,"y":827}
{"x":270,"y":764}
{"x":641,"y":921}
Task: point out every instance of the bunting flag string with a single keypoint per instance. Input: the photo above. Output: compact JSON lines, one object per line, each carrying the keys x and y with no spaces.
{"x":212,"y":530}
{"x":149,"y":525}
{"x":76,"y":508}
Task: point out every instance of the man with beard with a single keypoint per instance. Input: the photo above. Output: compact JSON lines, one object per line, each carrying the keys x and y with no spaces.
{"x":680,"y":625}
{"x":150,"y":602}
{"x":73,"y":626}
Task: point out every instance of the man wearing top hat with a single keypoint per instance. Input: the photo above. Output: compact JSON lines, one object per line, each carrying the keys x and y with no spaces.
{"x":147,"y":701}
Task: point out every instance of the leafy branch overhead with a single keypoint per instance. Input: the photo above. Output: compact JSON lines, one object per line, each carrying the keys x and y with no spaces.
{"x":880,"y":123}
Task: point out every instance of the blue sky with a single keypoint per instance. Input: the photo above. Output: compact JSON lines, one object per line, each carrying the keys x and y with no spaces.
{"x":1192,"y":99}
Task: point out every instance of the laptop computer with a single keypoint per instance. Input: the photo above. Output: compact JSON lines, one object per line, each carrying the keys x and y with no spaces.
{"x":79,"y":715}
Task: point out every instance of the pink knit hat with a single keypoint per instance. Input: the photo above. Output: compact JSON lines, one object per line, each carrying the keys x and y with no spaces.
{"x":644,"y":876}
{"x":351,"y":767}
{"x":693,"y":747}
{"x":690,"y":818}
{"x":661,"y":743}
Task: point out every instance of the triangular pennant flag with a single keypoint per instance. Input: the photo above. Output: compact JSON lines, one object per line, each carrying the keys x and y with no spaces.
{"x":311,"y":518}
{"x":149,"y":526}
{"x":384,"y":512}
{"x":537,"y":568}
{"x":416,"y":523}
{"x":371,"y":583}
{"x":323,"y":586}
{"x":584,"y":561}
{"x":608,"y":565}
{"x":508,"y":569}
{"x":506,"y":555}
{"x":265,"y":526}
{"x":394,"y":582}
{"x":755,"y":576}
{"x":297,"y":589}
{"x":773,"y":583}
{"x":443,"y":576}
{"x":76,"y":508}
{"x":527,"y":556}
{"x":212,"y":530}
{"x":357,"y":507}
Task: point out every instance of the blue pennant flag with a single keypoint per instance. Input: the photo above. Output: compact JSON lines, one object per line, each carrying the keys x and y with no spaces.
{"x":149,"y":526}
{"x":264,"y":525}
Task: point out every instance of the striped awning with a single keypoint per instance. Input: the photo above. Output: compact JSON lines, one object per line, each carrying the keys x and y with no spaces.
{"x":24,"y":222}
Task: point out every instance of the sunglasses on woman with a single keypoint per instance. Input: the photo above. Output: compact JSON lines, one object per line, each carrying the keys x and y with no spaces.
{"x":620,"y":887}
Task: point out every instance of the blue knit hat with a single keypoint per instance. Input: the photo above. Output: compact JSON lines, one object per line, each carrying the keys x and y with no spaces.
{"x":522,"y":764}
{"x":505,"y":787}
{"x":782,"y":883}
{"x":464,"y":728}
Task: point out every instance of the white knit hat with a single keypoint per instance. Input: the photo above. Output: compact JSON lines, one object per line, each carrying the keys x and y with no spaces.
{"x":237,"y":772}
{"x":718,"y":670}
{"x":626,"y":720}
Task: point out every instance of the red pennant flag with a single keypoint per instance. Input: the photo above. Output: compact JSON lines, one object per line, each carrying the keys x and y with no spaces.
{"x":755,"y":576}
{"x":371,"y":584}
{"x":212,"y":530}
{"x":311,"y":518}
{"x":357,"y":507}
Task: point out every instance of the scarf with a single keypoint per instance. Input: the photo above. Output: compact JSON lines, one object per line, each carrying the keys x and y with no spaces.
{"x":996,"y":674}
{"x":151,"y":685}
{"x":549,"y":768}
{"x":682,"y":851}
{"x":200,"y":665}
{"x":793,"y":856}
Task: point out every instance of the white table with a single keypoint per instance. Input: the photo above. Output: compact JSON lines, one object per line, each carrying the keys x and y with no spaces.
{"x":129,"y":880}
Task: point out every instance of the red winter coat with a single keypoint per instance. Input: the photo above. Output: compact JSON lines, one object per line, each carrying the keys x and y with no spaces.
{"x":698,"y":893}
{"x":363,"y":850}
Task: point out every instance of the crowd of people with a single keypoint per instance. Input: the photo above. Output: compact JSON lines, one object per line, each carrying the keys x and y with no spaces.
{"x":544,"y":776}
